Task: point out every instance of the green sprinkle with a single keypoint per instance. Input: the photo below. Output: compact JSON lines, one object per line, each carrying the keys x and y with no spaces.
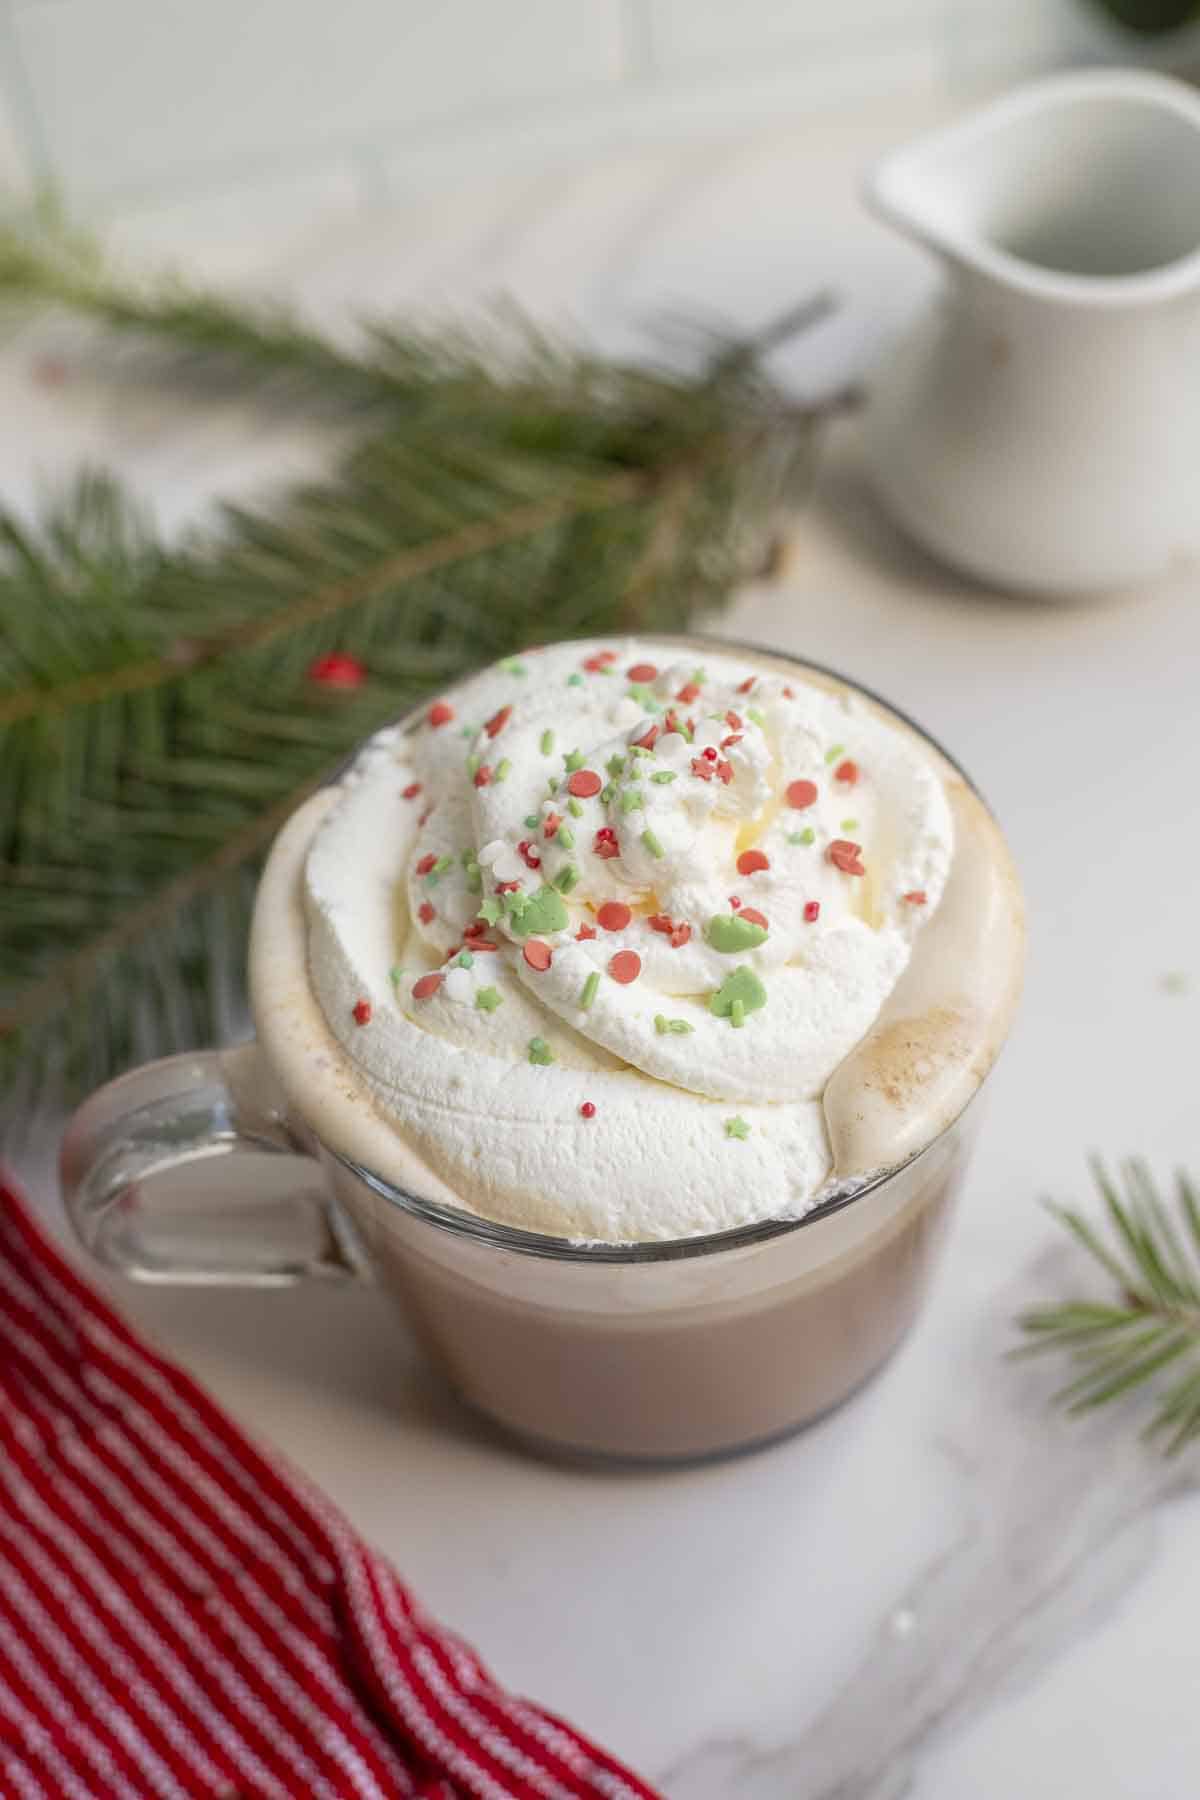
{"x":566,"y":837}
{"x":729,"y":933}
{"x":606,"y":794}
{"x":540,"y":1051}
{"x":490,"y":910}
{"x":487,"y":999}
{"x":663,"y":776}
{"x":849,"y":825}
{"x":551,"y":787}
{"x":566,"y":878}
{"x":466,"y":960}
{"x":512,"y":666}
{"x":575,"y":807}
{"x":540,"y":914}
{"x":631,"y":799}
{"x":532,"y":821}
{"x":831,"y":756}
{"x":474,"y":879}
{"x":503,"y":770}
{"x":467,"y":859}
{"x":396,"y":975}
{"x":589,"y":990}
{"x":547,"y":743}
{"x":603,"y":669}
{"x":574,"y":759}
{"x":468,"y":731}
{"x":737,"y":1128}
{"x":640,"y":750}
{"x":807,"y":836}
{"x":441,"y":865}
{"x":473,"y":762}
{"x":677,"y":1027}
{"x":515,"y":905}
{"x":644,"y":698}
{"x":651,"y":843}
{"x":575,"y":680}
{"x":740,"y":993}
{"x":699,"y":677}
{"x":615,"y":766}
{"x":685,"y":730}
{"x":752,"y":712}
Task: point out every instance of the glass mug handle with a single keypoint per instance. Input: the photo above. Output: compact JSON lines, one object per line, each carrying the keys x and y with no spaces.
{"x":189,"y":1171}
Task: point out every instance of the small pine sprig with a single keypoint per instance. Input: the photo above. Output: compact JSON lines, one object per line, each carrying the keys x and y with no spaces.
{"x":1151,"y":1251}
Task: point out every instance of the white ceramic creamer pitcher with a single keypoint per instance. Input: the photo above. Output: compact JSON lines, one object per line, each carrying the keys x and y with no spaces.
{"x":1040,"y":428}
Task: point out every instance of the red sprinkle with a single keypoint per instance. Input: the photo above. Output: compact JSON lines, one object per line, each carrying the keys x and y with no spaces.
{"x":602,"y":658}
{"x":440,"y":713}
{"x":846,"y":856}
{"x":735,"y":737}
{"x":846,"y":772}
{"x":362,"y":1012}
{"x":588,"y":1110}
{"x":642,"y":672}
{"x":661,"y":922}
{"x":745,"y":686}
{"x":625,"y":967}
{"x":483,"y":944}
{"x":709,"y":755}
{"x":475,"y":929}
{"x":680,"y":936}
{"x":812,"y":911}
{"x":917,"y":897}
{"x":508,"y":887}
{"x":483,"y":775}
{"x":701,"y":768}
{"x":606,"y":845}
{"x":755,"y":917}
{"x":734,"y":902}
{"x":424,"y":815}
{"x":426,"y":913}
{"x":614,"y":915}
{"x":733,"y":722}
{"x":498,"y":721}
{"x":725,"y":771}
{"x":584,"y":783}
{"x":528,"y":854}
{"x":688,"y":692}
{"x":751,"y":860}
{"x":788,"y":694}
{"x":648,"y":738}
{"x":551,"y":824}
{"x":411,"y":791}
{"x":801,"y":794}
{"x":585,"y":932}
{"x":337,"y":670}
{"x":426,"y":987}
{"x":538,"y":955}
{"x":426,"y":863}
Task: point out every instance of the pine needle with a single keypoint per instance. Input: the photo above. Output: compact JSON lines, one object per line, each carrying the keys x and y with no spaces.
{"x":1151,"y":1251}
{"x":158,"y":711}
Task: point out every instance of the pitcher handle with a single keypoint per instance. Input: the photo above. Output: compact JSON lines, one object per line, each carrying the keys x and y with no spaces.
{"x":192,"y":1127}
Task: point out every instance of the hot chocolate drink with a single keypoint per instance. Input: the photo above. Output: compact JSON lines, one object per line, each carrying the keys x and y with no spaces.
{"x":637,"y":990}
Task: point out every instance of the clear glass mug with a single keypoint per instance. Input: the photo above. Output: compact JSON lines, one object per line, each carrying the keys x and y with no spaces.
{"x":654,"y":1351}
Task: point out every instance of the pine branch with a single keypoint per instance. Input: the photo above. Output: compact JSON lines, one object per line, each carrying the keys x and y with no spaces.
{"x":1151,"y":1252}
{"x":158,"y":711}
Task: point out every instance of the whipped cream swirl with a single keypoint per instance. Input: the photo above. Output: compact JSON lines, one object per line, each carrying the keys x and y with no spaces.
{"x":597,"y":929}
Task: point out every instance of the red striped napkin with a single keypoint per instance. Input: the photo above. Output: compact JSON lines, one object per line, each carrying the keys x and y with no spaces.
{"x":180,"y":1616}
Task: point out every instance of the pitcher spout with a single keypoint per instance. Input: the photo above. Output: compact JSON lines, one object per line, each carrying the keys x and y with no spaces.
{"x":1083,"y":187}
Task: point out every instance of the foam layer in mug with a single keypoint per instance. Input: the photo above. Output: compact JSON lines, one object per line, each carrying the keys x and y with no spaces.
{"x":856,"y":1037}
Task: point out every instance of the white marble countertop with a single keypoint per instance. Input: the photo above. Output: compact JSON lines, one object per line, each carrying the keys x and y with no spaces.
{"x":941,"y":1591}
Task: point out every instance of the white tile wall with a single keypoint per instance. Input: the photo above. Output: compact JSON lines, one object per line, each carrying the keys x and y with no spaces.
{"x":134,"y":92}
{"x":146,"y":106}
